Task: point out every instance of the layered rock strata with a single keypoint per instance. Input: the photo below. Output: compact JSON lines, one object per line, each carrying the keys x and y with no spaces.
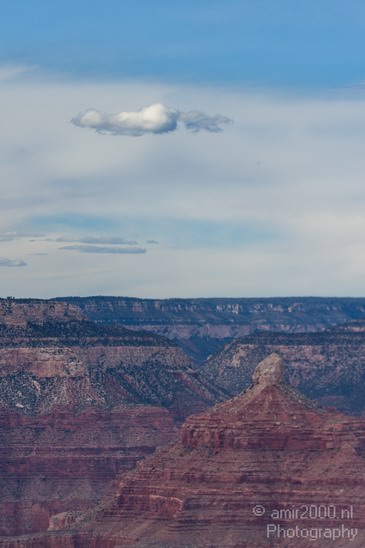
{"x":60,"y":461}
{"x":266,"y":468}
{"x":203,"y":326}
{"x":80,"y":404}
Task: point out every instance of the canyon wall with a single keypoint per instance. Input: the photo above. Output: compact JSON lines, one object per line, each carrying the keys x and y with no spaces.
{"x":81,"y":403}
{"x":203,"y":326}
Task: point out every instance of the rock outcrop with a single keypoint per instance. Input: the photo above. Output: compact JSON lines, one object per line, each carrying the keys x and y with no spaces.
{"x":80,"y":404}
{"x":266,"y":468}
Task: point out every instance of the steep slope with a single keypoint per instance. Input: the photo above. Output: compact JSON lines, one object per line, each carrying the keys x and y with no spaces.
{"x":202,"y":326}
{"x":327,"y":366}
{"x":266,"y":468}
{"x":79,"y":404}
{"x":80,"y":364}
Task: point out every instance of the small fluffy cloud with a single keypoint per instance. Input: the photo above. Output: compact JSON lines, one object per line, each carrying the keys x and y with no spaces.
{"x":104,"y":249}
{"x":4,"y":261}
{"x":156,"y":119}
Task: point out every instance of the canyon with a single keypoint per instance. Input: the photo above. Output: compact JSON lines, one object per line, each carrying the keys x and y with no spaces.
{"x":203,"y":326}
{"x":91,"y":389}
{"x":81,"y":403}
{"x":268,"y":467}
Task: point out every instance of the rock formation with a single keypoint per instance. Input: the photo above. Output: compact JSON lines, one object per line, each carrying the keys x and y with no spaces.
{"x":80,"y":404}
{"x":266,"y":468}
{"x":326,"y":366}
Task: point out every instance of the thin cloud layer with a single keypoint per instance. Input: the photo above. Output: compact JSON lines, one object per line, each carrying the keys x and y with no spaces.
{"x":4,"y":261}
{"x":15,"y":235}
{"x":9,"y":72}
{"x":156,"y":119}
{"x":104,"y":249}
{"x":112,"y":240}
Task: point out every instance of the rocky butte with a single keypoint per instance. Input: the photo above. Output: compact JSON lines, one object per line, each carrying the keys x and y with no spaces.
{"x":327,"y":366}
{"x":81,"y":404}
{"x":266,"y":468}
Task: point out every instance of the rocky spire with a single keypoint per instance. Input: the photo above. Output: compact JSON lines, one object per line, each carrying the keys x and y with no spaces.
{"x":269,"y":372}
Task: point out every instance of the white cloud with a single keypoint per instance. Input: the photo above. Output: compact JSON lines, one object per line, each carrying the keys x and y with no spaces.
{"x":4,"y":261}
{"x":156,"y":119}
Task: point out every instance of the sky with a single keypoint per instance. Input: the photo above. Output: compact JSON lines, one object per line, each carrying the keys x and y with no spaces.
{"x":182,"y":149}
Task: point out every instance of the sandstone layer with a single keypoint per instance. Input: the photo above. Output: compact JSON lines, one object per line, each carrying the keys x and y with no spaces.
{"x":266,"y":468}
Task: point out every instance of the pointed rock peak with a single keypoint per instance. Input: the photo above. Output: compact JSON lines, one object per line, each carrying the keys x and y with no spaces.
{"x":269,"y":372}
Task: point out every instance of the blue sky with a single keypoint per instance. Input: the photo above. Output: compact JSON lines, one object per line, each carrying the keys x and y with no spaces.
{"x":175,"y":149}
{"x":277,"y":43}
